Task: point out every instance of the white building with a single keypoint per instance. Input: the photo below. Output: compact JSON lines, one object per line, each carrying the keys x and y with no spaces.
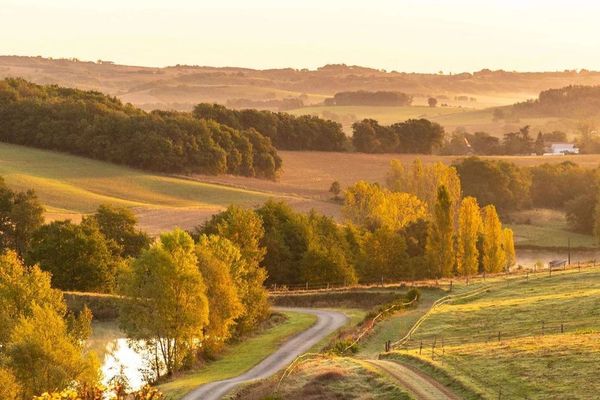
{"x":559,"y":149}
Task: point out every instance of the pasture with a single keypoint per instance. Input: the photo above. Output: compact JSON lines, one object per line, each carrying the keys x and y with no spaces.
{"x":535,"y":338}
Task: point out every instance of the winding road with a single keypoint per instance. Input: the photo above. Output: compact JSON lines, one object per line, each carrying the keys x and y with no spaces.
{"x":327,"y":323}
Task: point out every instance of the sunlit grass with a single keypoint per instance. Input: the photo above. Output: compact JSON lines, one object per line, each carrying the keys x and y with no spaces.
{"x":535,"y":338}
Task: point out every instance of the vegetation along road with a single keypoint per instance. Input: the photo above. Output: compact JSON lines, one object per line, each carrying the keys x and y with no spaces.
{"x":327,"y":322}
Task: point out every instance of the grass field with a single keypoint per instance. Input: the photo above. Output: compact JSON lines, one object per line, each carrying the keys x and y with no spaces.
{"x":239,"y":357}
{"x":69,"y":186}
{"x":537,"y":338}
{"x":547,"y":228}
{"x":326,"y":378}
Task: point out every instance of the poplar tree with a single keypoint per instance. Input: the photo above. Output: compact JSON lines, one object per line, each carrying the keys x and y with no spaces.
{"x":440,"y":246}
{"x":469,"y":228}
{"x":509,"y":247}
{"x":494,"y":257}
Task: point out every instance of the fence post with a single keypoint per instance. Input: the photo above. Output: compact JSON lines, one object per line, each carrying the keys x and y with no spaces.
{"x":443,"y":348}
{"x":433,"y":348}
{"x":498,"y":335}
{"x":562,"y":328}
{"x":500,"y":394}
{"x":542,"y":328}
{"x":306,"y":285}
{"x":450,"y":284}
{"x":381,"y":280}
{"x":527,"y":275}
{"x":420,"y":347}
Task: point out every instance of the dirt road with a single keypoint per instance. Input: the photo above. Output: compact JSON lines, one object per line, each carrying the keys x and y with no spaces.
{"x":421,"y":386}
{"x":327,"y":322}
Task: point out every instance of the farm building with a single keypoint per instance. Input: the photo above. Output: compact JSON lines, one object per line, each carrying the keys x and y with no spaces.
{"x":559,"y":149}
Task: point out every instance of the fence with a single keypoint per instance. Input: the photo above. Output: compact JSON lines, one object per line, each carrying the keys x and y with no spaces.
{"x":308,"y":286}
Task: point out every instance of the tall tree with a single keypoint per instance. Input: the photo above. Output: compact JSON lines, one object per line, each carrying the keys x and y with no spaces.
{"x":224,"y":302}
{"x":509,"y":247}
{"x":494,"y":256}
{"x":244,"y":228}
{"x":439,"y":248}
{"x":165,"y":302}
{"x":469,"y":228}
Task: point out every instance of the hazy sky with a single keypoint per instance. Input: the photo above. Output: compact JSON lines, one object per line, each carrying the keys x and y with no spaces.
{"x":403,"y":35}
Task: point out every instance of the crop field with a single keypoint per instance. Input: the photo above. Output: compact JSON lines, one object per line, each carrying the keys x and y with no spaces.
{"x":535,"y":338}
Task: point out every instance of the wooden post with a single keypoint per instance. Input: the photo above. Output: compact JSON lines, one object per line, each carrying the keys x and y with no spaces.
{"x":420,"y":347}
{"x":443,"y":348}
{"x":542,"y":328}
{"x":498,"y":335}
{"x":562,"y":328}
{"x":527,"y":275}
{"x":306,"y":285}
{"x":433,"y":348}
{"x":450,"y":284}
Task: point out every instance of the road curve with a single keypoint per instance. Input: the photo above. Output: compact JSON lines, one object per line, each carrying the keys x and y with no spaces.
{"x":327,"y":323}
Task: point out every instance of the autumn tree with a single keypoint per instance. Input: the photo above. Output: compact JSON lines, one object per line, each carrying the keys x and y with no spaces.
{"x":41,"y":346}
{"x":494,"y":257}
{"x":165,"y":302}
{"x":439,"y":248}
{"x":373,"y":207}
{"x":469,"y":228}
{"x":44,"y":356}
{"x":335,"y":189}
{"x":509,"y":247}
{"x":9,"y":387}
{"x":218,"y":260}
{"x":244,"y":229}
{"x":424,"y":181}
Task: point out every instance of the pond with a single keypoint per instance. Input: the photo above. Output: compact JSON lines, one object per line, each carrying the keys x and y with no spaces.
{"x":116,"y":355}
{"x":528,"y":257}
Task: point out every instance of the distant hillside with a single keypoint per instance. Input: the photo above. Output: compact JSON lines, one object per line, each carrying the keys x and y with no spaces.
{"x":566,"y":102}
{"x":181,"y":87}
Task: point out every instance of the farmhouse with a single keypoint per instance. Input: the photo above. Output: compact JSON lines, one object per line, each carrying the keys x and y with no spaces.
{"x":560,"y":148}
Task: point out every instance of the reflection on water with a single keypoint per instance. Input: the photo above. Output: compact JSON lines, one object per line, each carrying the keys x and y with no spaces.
{"x":121,"y":359}
{"x":116,"y":354}
{"x":527,"y":258}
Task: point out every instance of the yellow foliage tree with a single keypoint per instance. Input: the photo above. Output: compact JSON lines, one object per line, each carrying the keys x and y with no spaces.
{"x":373,"y":207}
{"x":494,"y":256}
{"x":439,"y":248}
{"x":469,"y":228}
{"x":509,"y":247}
{"x":424,"y":181}
{"x":222,"y":289}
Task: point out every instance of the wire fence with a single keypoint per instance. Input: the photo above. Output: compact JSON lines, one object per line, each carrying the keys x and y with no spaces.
{"x":390,"y":283}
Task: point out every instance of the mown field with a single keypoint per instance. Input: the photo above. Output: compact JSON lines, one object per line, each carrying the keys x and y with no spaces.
{"x":70,"y":186}
{"x":536,"y":338}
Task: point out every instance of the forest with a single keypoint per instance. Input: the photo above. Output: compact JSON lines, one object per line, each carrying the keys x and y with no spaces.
{"x":94,"y":125}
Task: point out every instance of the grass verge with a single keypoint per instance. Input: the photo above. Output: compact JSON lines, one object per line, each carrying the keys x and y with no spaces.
{"x":239,"y":357}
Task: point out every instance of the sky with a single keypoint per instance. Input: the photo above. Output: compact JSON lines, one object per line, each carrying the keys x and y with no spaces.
{"x":402,"y":35}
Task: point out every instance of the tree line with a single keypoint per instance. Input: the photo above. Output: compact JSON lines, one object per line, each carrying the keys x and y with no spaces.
{"x":365,"y":98}
{"x":94,"y":125}
{"x":418,"y":136}
{"x":286,"y":131}
{"x":563,"y":186}
{"x":570,"y":101}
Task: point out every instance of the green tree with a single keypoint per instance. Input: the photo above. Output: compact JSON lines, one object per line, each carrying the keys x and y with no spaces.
{"x":166,"y":303}
{"x":119,"y":225}
{"x":494,"y":256}
{"x":384,"y":257}
{"x":78,"y":256}
{"x":335,"y":189}
{"x":432,"y":102}
{"x":222,"y":291}
{"x":439,"y":248}
{"x":469,"y":228}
